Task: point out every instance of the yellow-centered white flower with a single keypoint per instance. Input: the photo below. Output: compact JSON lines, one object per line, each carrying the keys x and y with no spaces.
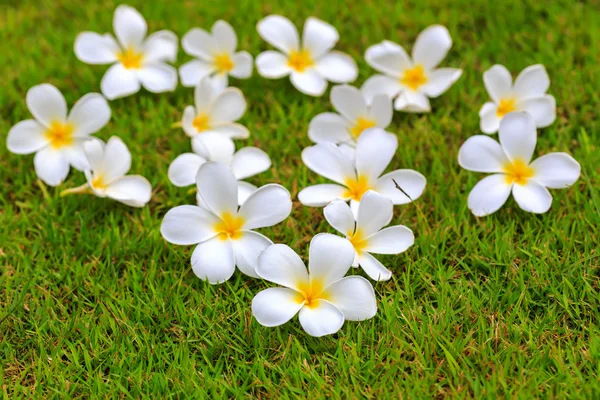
{"x":354,"y":117}
{"x":224,"y":233}
{"x":322,"y":297}
{"x":309,"y":64}
{"x":216,"y":110}
{"x":375,"y":149}
{"x":244,"y":163}
{"x":107,"y":174}
{"x":137,"y":60}
{"x":215,"y":55}
{"x":411,"y":81}
{"x":57,"y":139}
{"x":528,"y":93}
{"x":365,"y":232}
{"x":510,"y":163}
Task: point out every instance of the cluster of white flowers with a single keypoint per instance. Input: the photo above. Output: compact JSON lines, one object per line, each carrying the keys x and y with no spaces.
{"x":351,"y":148}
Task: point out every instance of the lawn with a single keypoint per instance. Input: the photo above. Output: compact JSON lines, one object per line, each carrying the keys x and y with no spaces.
{"x":94,"y":303}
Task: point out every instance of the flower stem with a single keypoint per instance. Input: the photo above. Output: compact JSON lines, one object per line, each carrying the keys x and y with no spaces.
{"x":83,"y":189}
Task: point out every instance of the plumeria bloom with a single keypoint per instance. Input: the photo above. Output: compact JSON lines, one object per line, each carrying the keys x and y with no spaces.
{"x":528,"y":94}
{"x":216,"y":110}
{"x":106,"y":176}
{"x":354,"y":117}
{"x":509,"y":161}
{"x":355,"y":176}
{"x":322,"y":297}
{"x":310,"y":64}
{"x":57,"y":139}
{"x":224,"y":233}
{"x":215,"y":55}
{"x":244,"y":163}
{"x":365,"y":233}
{"x":137,"y":60}
{"x":412,"y":82}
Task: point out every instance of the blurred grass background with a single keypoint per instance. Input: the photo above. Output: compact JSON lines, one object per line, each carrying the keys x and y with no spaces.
{"x":94,"y":303}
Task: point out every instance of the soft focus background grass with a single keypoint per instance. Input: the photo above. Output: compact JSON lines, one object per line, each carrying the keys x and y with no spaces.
{"x":94,"y":303}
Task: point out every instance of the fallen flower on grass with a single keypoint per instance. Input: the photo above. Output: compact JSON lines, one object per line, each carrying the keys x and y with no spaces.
{"x":365,"y":232}
{"x":137,"y":60}
{"x":310,"y":64}
{"x":215,"y":55}
{"x":510,"y":162}
{"x":244,"y":163}
{"x":224,"y":235}
{"x":216,"y":110}
{"x":411,"y":81}
{"x":354,"y":117}
{"x":109,"y":164}
{"x":57,"y":139}
{"x":528,"y":93}
{"x":322,"y":297}
{"x":375,"y":149}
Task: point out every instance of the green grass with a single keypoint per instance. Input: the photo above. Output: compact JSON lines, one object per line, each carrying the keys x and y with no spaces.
{"x":94,"y":303}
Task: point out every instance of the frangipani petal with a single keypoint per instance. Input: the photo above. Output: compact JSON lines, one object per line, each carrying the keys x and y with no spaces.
{"x":217,"y":187}
{"x":161,"y":46}
{"x":330,"y":257}
{"x":440,"y":80}
{"x":186,"y":225}
{"x":542,"y":109}
{"x":93,"y":48}
{"x":532,"y":197}
{"x":117,"y":160}
{"x":374,"y":212}
{"x":247,"y":249}
{"x":275,"y":306}
{"x":374,"y":151}
{"x":482,"y":154}
{"x":51,"y":166}
{"x":267,"y":206}
{"x":224,"y":36}
{"x":272,"y":64}
{"x":381,"y":110}
{"x":318,"y":37}
{"x":130,"y":27}
{"x":183,"y":169}
{"x":245,"y":189}
{"x":329,"y":127}
{"x":309,"y":82}
{"x":354,"y":297}
{"x":199,"y":43}
{"x":431,"y":46}
{"x":279,"y":32}
{"x":391,"y":240}
{"x":490,"y":121}
{"x":410,"y":101}
{"x":488,"y":195}
{"x":533,"y":81}
{"x":214,"y":260}
{"x":281,"y":265}
{"x":349,"y":102}
{"x":214,"y":147}
{"x":229,"y":106}
{"x":556,"y":170}
{"x":26,"y":137}
{"x":133,"y":190}
{"x":192,"y":72}
{"x":410,"y":181}
{"x":388,"y":58}
{"x":518,"y":136}
{"x":242,"y":62}
{"x":380,"y":84}
{"x":327,"y":160}
{"x":47,"y":104}
{"x":372,"y":267}
{"x":498,"y":82}
{"x":158,"y":77}
{"x":249,"y":161}
{"x":337,"y":67}
{"x":119,"y":82}
{"x":321,"y":195}
{"x":340,"y":217}
{"x":322,"y":319}
{"x":89,"y":114}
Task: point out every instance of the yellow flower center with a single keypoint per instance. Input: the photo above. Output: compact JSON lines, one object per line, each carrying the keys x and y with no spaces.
{"x":130,"y":58}
{"x":358,"y":240}
{"x":60,"y":134}
{"x":414,"y":78}
{"x":518,"y":172}
{"x":360,"y":125}
{"x":230,"y":227}
{"x":300,"y":60}
{"x":355,"y":188}
{"x":506,"y":106}
{"x":223,"y":63}
{"x":98,"y":182}
{"x":202,"y":122}
{"x":311,"y":292}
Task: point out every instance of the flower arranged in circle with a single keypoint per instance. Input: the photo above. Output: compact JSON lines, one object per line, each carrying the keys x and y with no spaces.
{"x":354,"y":177}
{"x":365,"y":233}
{"x":322,"y":297}
{"x":224,"y":233}
{"x":215,"y":55}
{"x":216,"y":110}
{"x":411,"y":81}
{"x":137,"y":60}
{"x":310,"y":64}
{"x":509,"y":161}
{"x":106,"y":176}
{"x":354,"y":117}
{"x":55,"y":137}
{"x":244,"y":163}
{"x":528,"y":93}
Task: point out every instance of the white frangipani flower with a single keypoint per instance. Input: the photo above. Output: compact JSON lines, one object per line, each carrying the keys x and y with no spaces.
{"x":322,"y":297}
{"x":310,"y":64}
{"x":137,"y":60}
{"x":106,"y":177}
{"x":365,"y":233}
{"x":355,"y":176}
{"x":244,"y":163}
{"x":215,"y":55}
{"x":509,"y":161}
{"x":224,"y":234}
{"x":528,"y":93}
{"x":412,"y":82}
{"x":57,"y":139}
{"x":216,"y":110}
{"x":354,"y":117}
